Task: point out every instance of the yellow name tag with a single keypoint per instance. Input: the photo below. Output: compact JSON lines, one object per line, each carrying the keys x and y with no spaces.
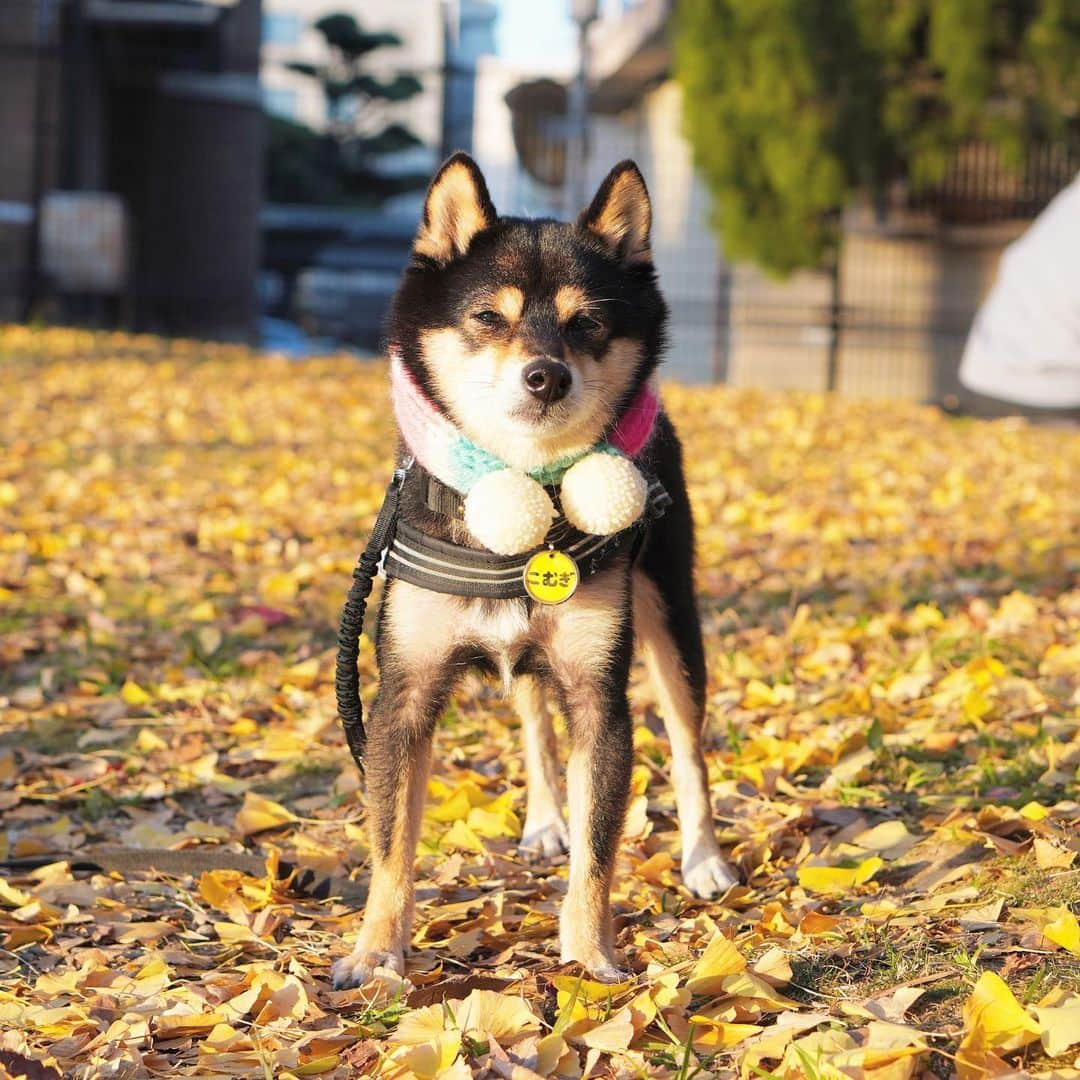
{"x":551,"y":577}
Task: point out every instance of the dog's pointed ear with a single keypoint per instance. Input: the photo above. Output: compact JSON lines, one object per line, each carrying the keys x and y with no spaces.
{"x":457,"y":207}
{"x":621,"y":214}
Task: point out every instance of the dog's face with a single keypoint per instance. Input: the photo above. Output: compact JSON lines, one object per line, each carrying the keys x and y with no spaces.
{"x":531,"y":335}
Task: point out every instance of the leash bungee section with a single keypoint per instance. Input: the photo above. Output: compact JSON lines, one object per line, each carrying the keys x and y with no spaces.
{"x":346,"y":673}
{"x":408,"y":553}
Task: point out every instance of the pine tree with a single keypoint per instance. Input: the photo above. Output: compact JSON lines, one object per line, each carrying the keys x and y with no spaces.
{"x":796,"y":107}
{"x":342,"y":164}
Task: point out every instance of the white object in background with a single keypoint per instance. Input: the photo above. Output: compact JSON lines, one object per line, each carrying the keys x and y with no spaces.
{"x":1024,"y":345}
{"x":84,"y":242}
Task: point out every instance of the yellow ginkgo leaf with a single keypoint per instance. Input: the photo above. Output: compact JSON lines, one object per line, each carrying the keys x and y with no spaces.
{"x":550,"y":1051}
{"x":614,"y":1034}
{"x":832,"y":879}
{"x":11,"y":896}
{"x":1056,"y":924}
{"x":172,"y":1026}
{"x":133,"y":694}
{"x":420,"y":1025}
{"x":504,"y":1017}
{"x":1063,"y":930}
{"x":493,"y":821}
{"x":318,"y":1066}
{"x":426,"y":1059}
{"x":461,"y":837}
{"x":230,"y":933}
{"x":303,"y":674}
{"x":994,"y":1020}
{"x":765,"y":998}
{"x":712,"y":1034}
{"x":280,"y":588}
{"x":719,"y":960}
{"x":148,"y":742}
{"x":259,"y":813}
{"x":1059,"y":1026}
{"x":581,"y":999}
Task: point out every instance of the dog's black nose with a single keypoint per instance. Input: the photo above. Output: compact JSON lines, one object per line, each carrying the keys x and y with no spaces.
{"x":547,"y":380}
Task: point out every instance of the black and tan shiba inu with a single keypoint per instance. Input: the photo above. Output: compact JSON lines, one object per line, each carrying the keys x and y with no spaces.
{"x":532,"y":338}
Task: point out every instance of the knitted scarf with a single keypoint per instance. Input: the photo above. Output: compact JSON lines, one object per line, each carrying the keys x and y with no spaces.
{"x":459,"y":463}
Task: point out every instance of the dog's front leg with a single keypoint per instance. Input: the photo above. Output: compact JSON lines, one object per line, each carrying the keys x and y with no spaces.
{"x":398,"y":758}
{"x":590,"y":654}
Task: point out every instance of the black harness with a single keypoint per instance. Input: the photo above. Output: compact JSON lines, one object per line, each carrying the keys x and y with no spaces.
{"x":407,"y":553}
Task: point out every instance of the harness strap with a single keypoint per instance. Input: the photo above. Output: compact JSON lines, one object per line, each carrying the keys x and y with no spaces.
{"x":444,"y":567}
{"x":346,"y":674}
{"x":441,"y":498}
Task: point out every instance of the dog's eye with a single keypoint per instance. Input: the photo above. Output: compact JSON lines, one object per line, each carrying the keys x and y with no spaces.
{"x":488,"y":318}
{"x":581,"y":325}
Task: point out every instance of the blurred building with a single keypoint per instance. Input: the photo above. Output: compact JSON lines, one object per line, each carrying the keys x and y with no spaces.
{"x":130,"y":183}
{"x":470,"y":36}
{"x":894,"y":320}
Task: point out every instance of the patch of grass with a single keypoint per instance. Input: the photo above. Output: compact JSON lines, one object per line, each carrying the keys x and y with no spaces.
{"x":1023,"y":884}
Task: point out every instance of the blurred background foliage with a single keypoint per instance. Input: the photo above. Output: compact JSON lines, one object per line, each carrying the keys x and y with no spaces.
{"x":795,"y":108}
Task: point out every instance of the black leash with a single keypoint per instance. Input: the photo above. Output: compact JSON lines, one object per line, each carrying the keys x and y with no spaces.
{"x":346,"y":675}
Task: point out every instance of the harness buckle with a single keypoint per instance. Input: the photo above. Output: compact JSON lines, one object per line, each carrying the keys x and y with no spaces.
{"x":402,"y":471}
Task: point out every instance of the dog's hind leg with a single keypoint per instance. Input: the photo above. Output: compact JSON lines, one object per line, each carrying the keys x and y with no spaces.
{"x":544,"y":834}
{"x":674,"y":656}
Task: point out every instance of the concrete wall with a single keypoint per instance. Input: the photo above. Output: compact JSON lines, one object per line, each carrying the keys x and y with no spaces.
{"x":909,"y":290}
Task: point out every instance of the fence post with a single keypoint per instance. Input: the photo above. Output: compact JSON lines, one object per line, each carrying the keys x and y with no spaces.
{"x":832,"y":375}
{"x":37,"y":165}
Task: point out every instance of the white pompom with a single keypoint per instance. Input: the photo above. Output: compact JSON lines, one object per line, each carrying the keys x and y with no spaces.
{"x":603,"y":494}
{"x":508,"y":512}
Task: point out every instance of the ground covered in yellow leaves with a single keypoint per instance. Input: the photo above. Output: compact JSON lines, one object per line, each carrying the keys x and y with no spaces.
{"x":892,"y":609}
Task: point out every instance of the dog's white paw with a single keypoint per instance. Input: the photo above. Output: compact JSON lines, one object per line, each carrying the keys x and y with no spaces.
{"x":358,"y":968}
{"x":605,"y":972}
{"x":708,"y":876}
{"x":601,"y":966}
{"x":544,"y":842}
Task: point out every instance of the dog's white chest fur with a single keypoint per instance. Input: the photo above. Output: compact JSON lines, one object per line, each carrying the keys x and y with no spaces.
{"x":427,"y":625}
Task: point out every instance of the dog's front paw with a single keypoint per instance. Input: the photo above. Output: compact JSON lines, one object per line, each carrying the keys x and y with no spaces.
{"x":708,"y":876}
{"x":601,"y":968}
{"x":544,"y":842}
{"x":602,"y":964}
{"x":359,"y":966}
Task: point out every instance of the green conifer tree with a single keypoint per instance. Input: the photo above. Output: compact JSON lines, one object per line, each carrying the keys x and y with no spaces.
{"x":795,"y":107}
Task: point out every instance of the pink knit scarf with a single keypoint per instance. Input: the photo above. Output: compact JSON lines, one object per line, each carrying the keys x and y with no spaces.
{"x":457,"y":461}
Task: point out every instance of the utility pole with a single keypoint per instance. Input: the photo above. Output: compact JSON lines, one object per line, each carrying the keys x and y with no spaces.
{"x":584,"y":14}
